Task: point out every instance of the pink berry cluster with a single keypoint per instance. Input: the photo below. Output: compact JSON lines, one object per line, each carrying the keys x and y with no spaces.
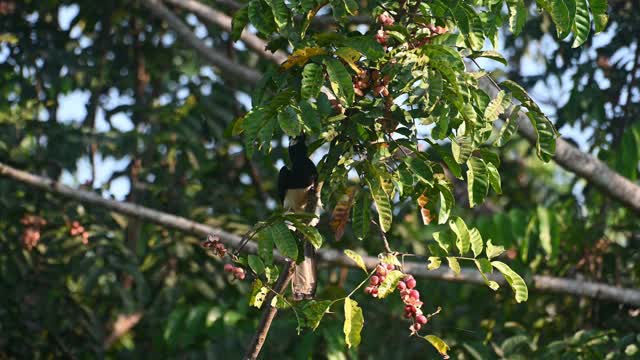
{"x":411,"y":298}
{"x":381,"y":273}
{"x":237,"y":271}
{"x":381,"y":36}
{"x":77,"y":229}
{"x":213,"y":243}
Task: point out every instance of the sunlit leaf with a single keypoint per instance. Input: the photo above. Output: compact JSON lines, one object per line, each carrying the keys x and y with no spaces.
{"x":389,"y":284}
{"x":353,"y":322}
{"x":356,"y":258}
{"x":517,"y":283}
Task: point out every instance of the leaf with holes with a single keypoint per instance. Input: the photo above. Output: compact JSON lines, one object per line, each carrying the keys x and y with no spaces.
{"x":353,"y":322}
{"x":356,"y":258}
{"x":389,"y":284}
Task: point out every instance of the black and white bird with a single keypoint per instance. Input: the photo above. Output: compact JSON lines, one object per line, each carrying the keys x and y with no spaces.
{"x":295,"y":185}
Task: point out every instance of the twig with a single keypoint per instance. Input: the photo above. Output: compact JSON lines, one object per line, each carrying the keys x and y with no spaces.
{"x":387,"y":248}
{"x":270,"y":311}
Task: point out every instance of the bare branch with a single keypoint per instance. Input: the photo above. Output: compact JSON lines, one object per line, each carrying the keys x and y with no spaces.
{"x":540,"y":283}
{"x":223,"y":21}
{"x":226,"y":66}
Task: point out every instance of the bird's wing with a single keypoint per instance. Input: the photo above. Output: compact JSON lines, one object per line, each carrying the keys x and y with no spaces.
{"x":284,"y":178}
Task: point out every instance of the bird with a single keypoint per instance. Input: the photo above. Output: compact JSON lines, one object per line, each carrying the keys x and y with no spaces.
{"x":295,"y":185}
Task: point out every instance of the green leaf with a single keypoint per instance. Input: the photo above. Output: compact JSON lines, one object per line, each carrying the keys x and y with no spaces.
{"x":517,"y":16}
{"x":356,"y":258}
{"x":485,"y":267}
{"x":258,"y":294}
{"x":366,"y":45}
{"x":446,"y":202}
{"x":310,"y":233}
{"x":462,"y":148}
{"x":582,"y":23}
{"x":546,"y":135}
{"x":265,"y":247}
{"x":312,"y":79}
{"x":389,"y":284}
{"x":284,"y":239}
{"x":493,"y":250}
{"x":476,"y":242}
{"x":261,"y":17}
{"x":497,"y":106}
{"x":353,"y":322}
{"x":361,"y":220}
{"x":314,"y":311}
{"x":463,"y":238}
{"x":490,"y":54}
{"x":599,"y":11}
{"x":510,"y":126}
{"x":382,"y":203}
{"x":477,"y":181}
{"x":468,"y":113}
{"x":445,"y":240}
{"x":239,"y":22}
{"x":517,"y":283}
{"x":256,"y":264}
{"x":290,"y":121}
{"x":454,"y":264}
{"x":438,"y":344}
{"x":421,"y":168}
{"x":434,"y":263}
{"x":521,"y":94}
{"x":280,"y":12}
{"x":561,"y":17}
{"x":494,"y":178}
{"x":544,"y":229}
{"x":340,"y":81}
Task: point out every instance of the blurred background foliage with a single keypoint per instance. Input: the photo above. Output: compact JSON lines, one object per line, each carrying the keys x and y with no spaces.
{"x":104,"y":97}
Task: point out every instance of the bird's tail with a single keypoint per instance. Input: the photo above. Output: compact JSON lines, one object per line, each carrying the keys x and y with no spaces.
{"x":305,"y":278}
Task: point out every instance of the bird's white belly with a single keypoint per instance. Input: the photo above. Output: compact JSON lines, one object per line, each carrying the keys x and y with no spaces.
{"x":296,"y":199}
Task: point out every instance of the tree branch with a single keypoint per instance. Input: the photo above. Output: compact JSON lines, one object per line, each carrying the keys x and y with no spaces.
{"x":223,"y":21}
{"x":582,"y":164}
{"x":270,"y":311}
{"x":227,"y":67}
{"x":540,"y":283}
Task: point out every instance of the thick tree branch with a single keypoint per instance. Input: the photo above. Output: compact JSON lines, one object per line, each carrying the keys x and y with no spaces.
{"x":258,"y":339}
{"x":223,"y":21}
{"x":226,"y":66}
{"x":540,"y":283}
{"x":582,"y":164}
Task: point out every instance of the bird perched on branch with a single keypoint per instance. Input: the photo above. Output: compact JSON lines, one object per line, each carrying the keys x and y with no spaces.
{"x":297,"y":186}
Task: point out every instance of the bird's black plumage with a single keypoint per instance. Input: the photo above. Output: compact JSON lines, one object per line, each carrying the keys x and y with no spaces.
{"x":303,"y":172}
{"x":295,"y":184}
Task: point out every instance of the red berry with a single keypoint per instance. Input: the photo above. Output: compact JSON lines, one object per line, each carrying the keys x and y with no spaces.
{"x":228,"y":267}
{"x":421,"y":319}
{"x":385,"y":19}
{"x":390,"y":267}
{"x":414,"y":294}
{"x":381,"y":270}
{"x":411,"y":283}
{"x":408,"y":315}
{"x":381,"y":37}
{"x":374,"y":291}
{"x":401,"y":285}
{"x":368,"y":289}
{"x":240,"y":276}
{"x":417,"y":327}
{"x":375,"y":280}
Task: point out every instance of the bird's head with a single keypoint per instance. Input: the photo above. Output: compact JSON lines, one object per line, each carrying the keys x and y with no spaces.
{"x":297,"y":147}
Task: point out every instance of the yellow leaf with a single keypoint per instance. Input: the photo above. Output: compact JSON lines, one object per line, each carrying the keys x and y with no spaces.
{"x":349,"y":56}
{"x":301,"y":56}
{"x":340,"y":215}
